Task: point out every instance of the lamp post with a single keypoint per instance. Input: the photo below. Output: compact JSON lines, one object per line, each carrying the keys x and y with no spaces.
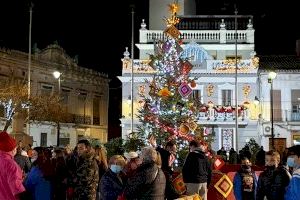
{"x":57,"y":75}
{"x":271,"y":76}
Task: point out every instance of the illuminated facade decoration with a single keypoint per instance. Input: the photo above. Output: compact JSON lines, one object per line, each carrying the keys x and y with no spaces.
{"x":246,"y":90}
{"x":210,"y":89}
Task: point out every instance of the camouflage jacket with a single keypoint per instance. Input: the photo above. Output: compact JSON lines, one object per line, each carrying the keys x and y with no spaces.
{"x":86,"y":177}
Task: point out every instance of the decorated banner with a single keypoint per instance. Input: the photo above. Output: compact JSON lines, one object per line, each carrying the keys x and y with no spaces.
{"x":224,"y":186}
{"x":218,"y":164}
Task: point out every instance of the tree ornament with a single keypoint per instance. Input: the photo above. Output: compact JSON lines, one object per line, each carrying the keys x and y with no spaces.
{"x":172,"y":31}
{"x":165,"y":92}
{"x":192,"y":126}
{"x":166,"y":46}
{"x":193,"y":84}
{"x":184,"y":129}
{"x":187,"y":66}
{"x":185,"y":90}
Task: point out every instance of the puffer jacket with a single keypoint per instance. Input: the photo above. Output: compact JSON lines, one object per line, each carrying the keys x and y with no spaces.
{"x":148,"y":183}
{"x":272,"y":183}
{"x":111,"y":186}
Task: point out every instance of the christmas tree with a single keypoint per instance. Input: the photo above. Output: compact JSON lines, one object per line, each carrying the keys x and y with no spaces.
{"x":169,"y":111}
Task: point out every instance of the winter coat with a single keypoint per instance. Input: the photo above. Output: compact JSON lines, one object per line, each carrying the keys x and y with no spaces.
{"x":111,"y":186}
{"x":23,"y":162}
{"x":272,"y":184}
{"x":86,"y":177}
{"x":10,"y":177}
{"x":38,"y":187}
{"x":60,"y":177}
{"x":260,"y":158}
{"x":148,"y":183}
{"x":196,"y":168}
{"x":233,"y":157}
{"x":293,"y":191}
{"x":239,"y":190}
{"x":165,"y":155}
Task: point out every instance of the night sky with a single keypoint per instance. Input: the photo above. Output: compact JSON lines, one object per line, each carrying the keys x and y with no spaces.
{"x":99,"y":39}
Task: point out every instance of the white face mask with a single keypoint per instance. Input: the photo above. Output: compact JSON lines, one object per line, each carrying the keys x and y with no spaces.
{"x":291,"y":162}
{"x":116,"y":168}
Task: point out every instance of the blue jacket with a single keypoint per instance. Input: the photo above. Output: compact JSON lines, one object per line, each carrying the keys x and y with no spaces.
{"x":37,"y":185}
{"x":293,"y":190}
{"x":237,"y":185}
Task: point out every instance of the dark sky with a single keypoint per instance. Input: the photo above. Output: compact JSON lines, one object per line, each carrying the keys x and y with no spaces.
{"x":99,"y":38}
{"x":82,"y":28}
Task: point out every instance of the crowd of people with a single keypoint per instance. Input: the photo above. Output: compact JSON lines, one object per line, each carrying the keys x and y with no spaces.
{"x":85,"y":174}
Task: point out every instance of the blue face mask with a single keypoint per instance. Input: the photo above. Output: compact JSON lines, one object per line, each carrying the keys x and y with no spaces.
{"x":116,"y":168}
{"x":291,"y":162}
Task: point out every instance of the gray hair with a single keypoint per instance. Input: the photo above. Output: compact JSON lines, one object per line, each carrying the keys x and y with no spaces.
{"x":149,"y":154}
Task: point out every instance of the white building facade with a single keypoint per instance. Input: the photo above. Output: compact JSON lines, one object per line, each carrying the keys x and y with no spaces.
{"x":84,"y":93}
{"x":286,"y":101}
{"x":210,"y":42}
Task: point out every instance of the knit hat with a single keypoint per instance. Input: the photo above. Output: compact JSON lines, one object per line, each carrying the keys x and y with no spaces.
{"x":131,"y":154}
{"x":7,"y":143}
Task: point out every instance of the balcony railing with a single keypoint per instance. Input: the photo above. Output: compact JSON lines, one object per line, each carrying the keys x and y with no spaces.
{"x":96,"y":120}
{"x":82,"y":119}
{"x":221,"y":115}
{"x":292,"y":116}
{"x":201,"y":36}
{"x":295,"y":116}
{"x":208,"y":22}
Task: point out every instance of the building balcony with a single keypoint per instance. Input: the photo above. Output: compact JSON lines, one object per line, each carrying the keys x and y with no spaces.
{"x":201,"y":36}
{"x":222,"y":116}
{"x":292,"y":116}
{"x":81,"y":119}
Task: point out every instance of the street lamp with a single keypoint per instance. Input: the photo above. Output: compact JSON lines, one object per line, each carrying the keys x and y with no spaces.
{"x":57,"y":75}
{"x":271,"y":76}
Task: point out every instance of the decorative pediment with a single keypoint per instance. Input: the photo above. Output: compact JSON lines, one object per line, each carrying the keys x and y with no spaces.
{"x":195,"y":52}
{"x":56,"y":54}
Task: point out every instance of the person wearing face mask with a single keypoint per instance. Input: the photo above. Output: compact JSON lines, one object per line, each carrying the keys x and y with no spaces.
{"x":293,"y":189}
{"x":245,"y":181}
{"x":112,"y":184}
{"x":273,"y":180}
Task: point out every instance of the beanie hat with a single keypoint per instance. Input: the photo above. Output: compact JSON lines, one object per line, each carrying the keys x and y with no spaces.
{"x":7,"y":143}
{"x":131,"y":154}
